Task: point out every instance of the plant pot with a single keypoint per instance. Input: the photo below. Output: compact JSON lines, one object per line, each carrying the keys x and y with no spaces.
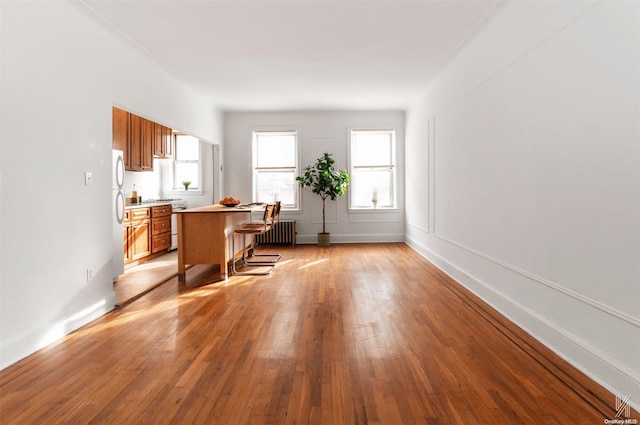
{"x":324,"y":239}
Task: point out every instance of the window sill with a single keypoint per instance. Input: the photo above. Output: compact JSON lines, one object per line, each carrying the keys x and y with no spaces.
{"x":373,"y":210}
{"x":183,"y":192}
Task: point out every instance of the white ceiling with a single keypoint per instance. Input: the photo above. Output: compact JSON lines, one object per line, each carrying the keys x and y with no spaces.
{"x":290,"y":55}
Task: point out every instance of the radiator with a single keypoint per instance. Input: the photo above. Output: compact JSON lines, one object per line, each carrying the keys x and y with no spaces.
{"x":284,"y":232}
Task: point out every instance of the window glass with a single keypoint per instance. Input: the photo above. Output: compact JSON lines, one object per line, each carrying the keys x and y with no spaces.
{"x":372,"y":184}
{"x":276,"y":185}
{"x":186,"y":162}
{"x":372,"y":149}
{"x":275,"y":158}
{"x":276,"y":150}
{"x":187,"y":148}
{"x":372,"y":169}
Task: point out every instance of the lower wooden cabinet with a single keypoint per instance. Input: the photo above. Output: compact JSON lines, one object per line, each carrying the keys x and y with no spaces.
{"x":141,"y":243}
{"x":161,"y":242}
{"x":147,"y":233}
{"x":160,"y":228}
{"x":127,"y":236}
{"x":137,"y":234}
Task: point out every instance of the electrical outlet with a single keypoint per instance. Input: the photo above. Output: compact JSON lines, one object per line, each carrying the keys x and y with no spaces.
{"x":89,"y":274}
{"x":88,"y":179}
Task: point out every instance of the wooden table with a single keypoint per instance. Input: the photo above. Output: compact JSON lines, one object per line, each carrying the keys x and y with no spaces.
{"x":204,"y":236}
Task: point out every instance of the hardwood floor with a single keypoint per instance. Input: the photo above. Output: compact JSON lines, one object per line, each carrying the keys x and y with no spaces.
{"x":142,"y":278}
{"x":349,"y":334}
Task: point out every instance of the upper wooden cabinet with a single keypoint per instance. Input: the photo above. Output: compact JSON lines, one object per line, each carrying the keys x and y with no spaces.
{"x":162,"y":141}
{"x":157,"y":140}
{"x":140,"y":140}
{"x":133,"y":157}
{"x":140,"y":157}
{"x":167,"y":137}
{"x":146,"y":146}
{"x":120,"y":129}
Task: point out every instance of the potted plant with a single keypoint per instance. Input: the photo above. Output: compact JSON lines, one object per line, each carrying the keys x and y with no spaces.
{"x":186,"y":184}
{"x":327,"y":182}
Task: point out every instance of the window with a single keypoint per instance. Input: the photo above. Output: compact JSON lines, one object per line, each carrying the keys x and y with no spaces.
{"x":275,"y":167}
{"x":186,"y":161}
{"x":372,"y":168}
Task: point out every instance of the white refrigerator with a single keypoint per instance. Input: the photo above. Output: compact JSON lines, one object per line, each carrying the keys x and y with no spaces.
{"x":117,"y":194}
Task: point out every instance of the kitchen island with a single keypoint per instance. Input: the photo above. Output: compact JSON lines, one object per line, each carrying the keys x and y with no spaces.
{"x":205,"y":235}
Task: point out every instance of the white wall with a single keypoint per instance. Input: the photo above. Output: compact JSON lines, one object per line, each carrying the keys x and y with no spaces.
{"x":62,"y":70}
{"x":318,"y":132}
{"x":533,"y":183}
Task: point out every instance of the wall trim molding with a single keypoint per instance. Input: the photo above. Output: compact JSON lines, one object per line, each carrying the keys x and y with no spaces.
{"x":422,"y":229}
{"x":555,"y":286}
{"x":593,"y":362}
{"x":375,"y":216}
{"x":353,"y":238}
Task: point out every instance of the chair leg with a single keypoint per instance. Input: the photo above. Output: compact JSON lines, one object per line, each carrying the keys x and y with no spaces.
{"x":247,"y":263}
{"x":274,"y":257}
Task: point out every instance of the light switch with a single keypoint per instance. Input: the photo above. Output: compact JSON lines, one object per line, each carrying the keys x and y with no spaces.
{"x":88,"y":179}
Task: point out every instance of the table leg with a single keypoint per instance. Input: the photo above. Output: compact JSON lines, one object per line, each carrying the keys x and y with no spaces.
{"x":182,"y":278}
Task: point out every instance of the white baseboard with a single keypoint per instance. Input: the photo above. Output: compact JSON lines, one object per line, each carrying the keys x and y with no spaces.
{"x":353,"y":238}
{"x":617,"y":378}
{"x":16,"y":350}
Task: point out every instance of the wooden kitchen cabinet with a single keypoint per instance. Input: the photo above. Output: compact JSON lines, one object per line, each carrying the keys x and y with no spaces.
{"x":167,"y":140}
{"x":160,"y":228}
{"x":140,"y":154}
{"x":160,"y":243}
{"x":120,"y":129}
{"x":147,"y":233}
{"x":139,"y":214}
{"x":135,"y":144}
{"x":137,"y":235}
{"x":139,"y":139}
{"x":161,"y":211}
{"x":122,"y":135}
{"x":162,"y":141}
{"x":157,"y":140}
{"x":127,"y":236}
{"x":141,"y":243}
{"x":146,"y":145}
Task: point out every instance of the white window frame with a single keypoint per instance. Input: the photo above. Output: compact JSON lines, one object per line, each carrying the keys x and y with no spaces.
{"x":255,"y":170}
{"x":179,"y":188}
{"x":393,"y":167}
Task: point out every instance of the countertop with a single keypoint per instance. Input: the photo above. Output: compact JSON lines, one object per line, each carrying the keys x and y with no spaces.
{"x":145,"y":205}
{"x":217,"y":208}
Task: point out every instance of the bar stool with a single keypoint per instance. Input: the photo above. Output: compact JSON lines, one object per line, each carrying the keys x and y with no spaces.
{"x":252,"y":254}
{"x":253,"y":229}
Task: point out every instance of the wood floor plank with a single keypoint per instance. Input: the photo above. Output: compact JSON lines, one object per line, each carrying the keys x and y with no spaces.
{"x":349,"y":334}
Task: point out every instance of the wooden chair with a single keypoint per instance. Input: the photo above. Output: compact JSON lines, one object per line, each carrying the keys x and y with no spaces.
{"x":255,"y":228}
{"x":252,"y":254}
